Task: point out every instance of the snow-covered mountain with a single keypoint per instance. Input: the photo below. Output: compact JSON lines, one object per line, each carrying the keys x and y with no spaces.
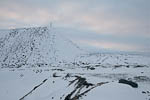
{"x":37,"y":45}
{"x":42,"y":64}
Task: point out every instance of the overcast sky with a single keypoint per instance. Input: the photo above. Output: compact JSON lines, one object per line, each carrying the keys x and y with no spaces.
{"x":110,"y":24}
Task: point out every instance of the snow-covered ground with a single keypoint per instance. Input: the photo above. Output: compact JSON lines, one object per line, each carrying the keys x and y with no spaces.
{"x":41,"y":64}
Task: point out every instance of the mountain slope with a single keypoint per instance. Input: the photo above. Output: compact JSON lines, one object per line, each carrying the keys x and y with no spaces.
{"x":40,"y":45}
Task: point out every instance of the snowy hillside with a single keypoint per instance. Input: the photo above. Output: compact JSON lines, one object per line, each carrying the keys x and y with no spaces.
{"x":41,"y":45}
{"x":39,"y":63}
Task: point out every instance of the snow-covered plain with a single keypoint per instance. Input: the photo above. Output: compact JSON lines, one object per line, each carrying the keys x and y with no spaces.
{"x":41,"y":64}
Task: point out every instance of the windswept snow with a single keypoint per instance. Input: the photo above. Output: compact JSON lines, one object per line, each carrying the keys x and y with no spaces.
{"x":40,"y":63}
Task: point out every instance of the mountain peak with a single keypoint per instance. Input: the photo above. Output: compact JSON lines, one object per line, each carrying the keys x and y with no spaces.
{"x":36,"y":45}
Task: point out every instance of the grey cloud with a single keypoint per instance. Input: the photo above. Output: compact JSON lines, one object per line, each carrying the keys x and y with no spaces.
{"x":117,"y":21}
{"x":134,"y":39}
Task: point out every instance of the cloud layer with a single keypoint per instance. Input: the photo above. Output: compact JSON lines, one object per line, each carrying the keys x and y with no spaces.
{"x":114,"y":24}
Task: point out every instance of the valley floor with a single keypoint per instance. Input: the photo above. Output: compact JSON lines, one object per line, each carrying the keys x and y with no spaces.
{"x":73,"y":83}
{"x":95,"y":81}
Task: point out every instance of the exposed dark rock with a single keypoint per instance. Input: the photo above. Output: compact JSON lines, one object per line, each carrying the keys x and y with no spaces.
{"x":132,"y":84}
{"x":58,"y":69}
{"x":117,"y":66}
{"x":127,"y":66}
{"x":144,"y":92}
{"x":92,"y":68}
{"x":54,"y":75}
{"x":67,"y":76}
{"x":97,"y":65}
{"x":33,"y":89}
{"x":138,"y":66}
{"x":81,"y":84}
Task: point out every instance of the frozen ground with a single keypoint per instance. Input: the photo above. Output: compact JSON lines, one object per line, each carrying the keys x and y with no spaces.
{"x":42,"y":65}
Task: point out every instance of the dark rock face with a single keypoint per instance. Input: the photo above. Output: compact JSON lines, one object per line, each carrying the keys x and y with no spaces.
{"x":132,"y":84}
{"x":82,"y":86}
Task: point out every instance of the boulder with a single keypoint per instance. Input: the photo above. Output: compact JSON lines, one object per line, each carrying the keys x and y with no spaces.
{"x":132,"y":84}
